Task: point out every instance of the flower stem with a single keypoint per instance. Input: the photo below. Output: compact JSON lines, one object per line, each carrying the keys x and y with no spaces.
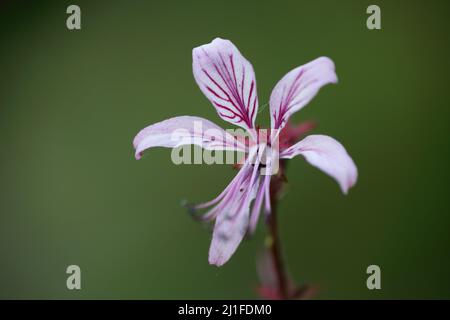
{"x":277,"y":258}
{"x":275,"y":243}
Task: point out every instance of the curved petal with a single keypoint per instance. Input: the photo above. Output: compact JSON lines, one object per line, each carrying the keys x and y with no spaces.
{"x":256,"y":210}
{"x":178,"y":131}
{"x":328,"y":155}
{"x":221,"y":200}
{"x":232,"y":222}
{"x":298,"y":87}
{"x":228,"y":81}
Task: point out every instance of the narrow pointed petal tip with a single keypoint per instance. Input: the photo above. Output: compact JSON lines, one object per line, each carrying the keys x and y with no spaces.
{"x":351,"y":180}
{"x":215,"y":260}
{"x":233,"y":220}
{"x":229,"y":230}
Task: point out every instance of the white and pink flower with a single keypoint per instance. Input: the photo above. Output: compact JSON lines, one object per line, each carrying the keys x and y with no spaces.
{"x":227,"y":79}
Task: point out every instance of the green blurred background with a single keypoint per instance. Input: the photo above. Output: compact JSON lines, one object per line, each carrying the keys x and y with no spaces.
{"x":71,"y":191}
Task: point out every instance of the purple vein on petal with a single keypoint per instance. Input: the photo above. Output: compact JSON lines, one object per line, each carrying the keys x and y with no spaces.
{"x":257,"y":207}
{"x":253,"y":155}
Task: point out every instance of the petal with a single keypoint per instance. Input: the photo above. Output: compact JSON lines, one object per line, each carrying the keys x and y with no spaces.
{"x":223,"y":198}
{"x":232,"y":222}
{"x":228,"y":81}
{"x":256,"y":210}
{"x":298,"y":87}
{"x":328,"y":155}
{"x":178,"y":131}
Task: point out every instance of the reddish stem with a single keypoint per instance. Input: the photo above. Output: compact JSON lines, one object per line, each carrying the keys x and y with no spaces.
{"x":277,"y":258}
{"x":275,"y":243}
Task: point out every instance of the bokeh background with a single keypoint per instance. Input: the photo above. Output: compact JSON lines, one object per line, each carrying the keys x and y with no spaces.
{"x":71,"y":191}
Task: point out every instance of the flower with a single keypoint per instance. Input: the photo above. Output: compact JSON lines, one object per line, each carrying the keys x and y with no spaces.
{"x":227,"y":79}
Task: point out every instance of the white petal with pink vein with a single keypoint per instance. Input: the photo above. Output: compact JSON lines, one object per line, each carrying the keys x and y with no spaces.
{"x":227,"y":79}
{"x":184,"y":130}
{"x":298,"y":87}
{"x":328,"y":155}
